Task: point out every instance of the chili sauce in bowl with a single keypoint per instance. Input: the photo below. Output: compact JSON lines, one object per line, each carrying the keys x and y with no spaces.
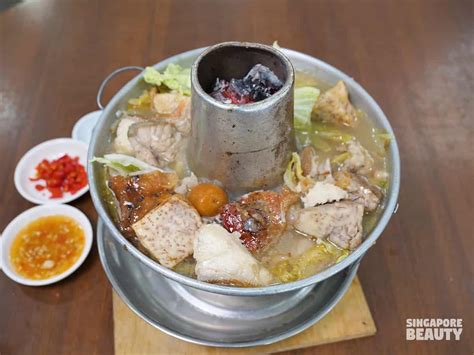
{"x":45,"y":244}
{"x":47,"y":247}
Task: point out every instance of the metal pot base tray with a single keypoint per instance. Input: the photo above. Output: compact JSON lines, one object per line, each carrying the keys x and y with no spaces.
{"x":210,"y":319}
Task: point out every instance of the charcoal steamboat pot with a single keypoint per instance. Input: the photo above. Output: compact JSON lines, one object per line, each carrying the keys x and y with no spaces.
{"x":225,"y":303}
{"x":245,"y":147}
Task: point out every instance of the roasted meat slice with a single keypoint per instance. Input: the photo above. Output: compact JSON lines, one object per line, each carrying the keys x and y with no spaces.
{"x":340,"y":222}
{"x":168,"y":230}
{"x":221,"y":258}
{"x":137,"y":195}
{"x":259,"y":217}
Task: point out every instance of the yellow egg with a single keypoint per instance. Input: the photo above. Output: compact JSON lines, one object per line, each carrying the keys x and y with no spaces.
{"x":207,"y":199}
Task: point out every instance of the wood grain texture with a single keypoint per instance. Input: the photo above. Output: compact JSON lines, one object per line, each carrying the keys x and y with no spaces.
{"x":414,"y":56}
{"x":350,"y":319}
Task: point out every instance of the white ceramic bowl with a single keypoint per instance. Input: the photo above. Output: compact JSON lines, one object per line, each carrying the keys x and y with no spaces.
{"x":52,"y":149}
{"x":28,"y":216}
{"x":83,"y":128}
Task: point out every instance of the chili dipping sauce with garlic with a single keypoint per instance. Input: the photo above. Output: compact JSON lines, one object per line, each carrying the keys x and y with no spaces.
{"x":47,"y":247}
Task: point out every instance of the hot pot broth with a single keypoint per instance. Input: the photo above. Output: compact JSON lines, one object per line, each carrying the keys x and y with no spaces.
{"x":290,"y":251}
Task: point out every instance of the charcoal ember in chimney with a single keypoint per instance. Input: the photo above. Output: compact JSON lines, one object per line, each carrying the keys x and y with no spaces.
{"x":259,"y":84}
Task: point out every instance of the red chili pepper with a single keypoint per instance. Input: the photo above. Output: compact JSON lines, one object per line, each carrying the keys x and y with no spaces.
{"x":64,"y":174}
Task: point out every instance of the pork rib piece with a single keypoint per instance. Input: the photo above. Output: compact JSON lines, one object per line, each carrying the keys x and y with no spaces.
{"x":339,"y":222}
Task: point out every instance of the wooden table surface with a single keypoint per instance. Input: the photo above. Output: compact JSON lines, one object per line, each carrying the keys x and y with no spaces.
{"x":414,"y":57}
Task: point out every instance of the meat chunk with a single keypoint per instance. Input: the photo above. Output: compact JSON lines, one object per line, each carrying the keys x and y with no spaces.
{"x":340,"y":222}
{"x":360,"y":160}
{"x":259,"y":217}
{"x":359,"y":190}
{"x":137,"y":195}
{"x":174,"y":109}
{"x":168,"y":231}
{"x":312,"y":166}
{"x":221,"y":258}
{"x":321,"y":193}
{"x":155,"y":143}
{"x":334,"y":106}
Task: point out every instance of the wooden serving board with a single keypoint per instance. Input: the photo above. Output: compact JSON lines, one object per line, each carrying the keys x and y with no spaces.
{"x":351,"y":318}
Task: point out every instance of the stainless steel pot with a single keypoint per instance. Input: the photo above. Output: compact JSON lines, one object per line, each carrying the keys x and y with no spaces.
{"x":234,"y":298}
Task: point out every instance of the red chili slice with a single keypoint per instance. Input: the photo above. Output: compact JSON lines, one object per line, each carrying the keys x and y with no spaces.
{"x":64,"y":174}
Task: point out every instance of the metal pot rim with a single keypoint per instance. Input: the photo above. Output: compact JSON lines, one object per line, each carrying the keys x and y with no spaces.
{"x":390,"y":204}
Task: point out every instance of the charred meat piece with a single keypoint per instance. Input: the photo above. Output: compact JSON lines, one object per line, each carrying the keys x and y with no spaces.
{"x":259,"y":217}
{"x":168,"y":230}
{"x":221,"y":258}
{"x":334,"y":106}
{"x":137,"y":195}
{"x":339,"y":222}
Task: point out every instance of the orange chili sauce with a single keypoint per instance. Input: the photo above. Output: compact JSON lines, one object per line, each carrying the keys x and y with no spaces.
{"x":47,"y":247}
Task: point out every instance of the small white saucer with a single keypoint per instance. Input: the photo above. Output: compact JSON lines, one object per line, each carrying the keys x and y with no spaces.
{"x":23,"y":219}
{"x":82,"y":130}
{"x":51,"y":149}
